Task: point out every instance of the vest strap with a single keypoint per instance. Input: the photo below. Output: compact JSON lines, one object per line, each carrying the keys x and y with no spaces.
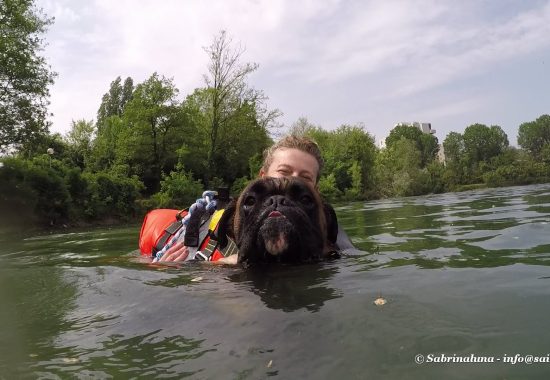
{"x":167,"y":234}
{"x":211,"y":247}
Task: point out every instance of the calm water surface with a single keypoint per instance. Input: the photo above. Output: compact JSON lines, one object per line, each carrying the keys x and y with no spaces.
{"x":464,"y":274}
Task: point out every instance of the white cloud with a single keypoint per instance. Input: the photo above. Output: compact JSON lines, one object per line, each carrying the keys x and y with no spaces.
{"x":389,"y":54}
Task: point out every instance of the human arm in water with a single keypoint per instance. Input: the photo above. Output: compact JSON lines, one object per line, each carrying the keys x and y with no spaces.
{"x":179,"y":253}
{"x":176,"y":253}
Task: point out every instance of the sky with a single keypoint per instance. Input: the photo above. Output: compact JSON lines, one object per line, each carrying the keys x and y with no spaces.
{"x":450,"y":63}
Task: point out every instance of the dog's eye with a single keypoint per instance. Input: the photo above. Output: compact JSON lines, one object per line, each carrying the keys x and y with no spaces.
{"x":249,"y":201}
{"x":306,"y":199}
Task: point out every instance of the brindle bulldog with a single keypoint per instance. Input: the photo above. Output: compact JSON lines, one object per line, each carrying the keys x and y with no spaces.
{"x":277,"y":219}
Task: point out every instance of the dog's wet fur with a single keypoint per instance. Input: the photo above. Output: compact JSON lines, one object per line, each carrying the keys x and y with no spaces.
{"x":277,"y":220}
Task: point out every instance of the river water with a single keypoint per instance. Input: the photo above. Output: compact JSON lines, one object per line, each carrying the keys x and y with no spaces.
{"x":465,"y":277}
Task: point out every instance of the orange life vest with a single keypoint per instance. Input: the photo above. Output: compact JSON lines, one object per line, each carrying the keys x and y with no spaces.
{"x":161,"y":224}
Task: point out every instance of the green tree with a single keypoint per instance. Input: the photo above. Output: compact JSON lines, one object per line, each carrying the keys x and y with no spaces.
{"x":177,"y":190}
{"x":79,"y":140}
{"x":453,"y":146}
{"x":104,"y":147}
{"x":349,"y":154}
{"x":357,"y":188}
{"x":193,"y":152}
{"x":243,"y":138}
{"x":426,"y":143}
{"x":227,"y":92}
{"x":408,"y":177}
{"x":517,"y":168}
{"x":44,"y":142}
{"x":456,"y":165}
{"x":110,"y":126}
{"x":24,"y":74}
{"x":327,"y":187}
{"x":114,"y":101}
{"x":111,"y":195}
{"x":399,"y":171}
{"x":428,"y":148}
{"x":322,"y":137}
{"x":534,"y":136}
{"x":400,"y":131}
{"x":153,"y":130}
{"x":35,"y":189}
{"x":481,"y":143}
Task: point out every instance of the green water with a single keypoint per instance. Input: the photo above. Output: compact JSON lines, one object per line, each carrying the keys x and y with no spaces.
{"x":463,"y":274}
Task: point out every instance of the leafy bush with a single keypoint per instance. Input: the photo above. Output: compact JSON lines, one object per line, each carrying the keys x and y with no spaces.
{"x":215,"y":183}
{"x":327,"y":187}
{"x":518,"y":173}
{"x":355,"y":190}
{"x":31,"y":190}
{"x":111,"y":195}
{"x":177,"y":190}
{"x":17,"y":199}
{"x":435,"y":171}
{"x":52,"y":197}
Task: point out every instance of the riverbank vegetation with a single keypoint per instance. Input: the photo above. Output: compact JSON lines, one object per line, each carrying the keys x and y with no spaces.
{"x":151,"y":147}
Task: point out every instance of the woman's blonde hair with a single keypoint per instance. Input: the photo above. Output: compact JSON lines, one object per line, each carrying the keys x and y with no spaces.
{"x":303,"y":143}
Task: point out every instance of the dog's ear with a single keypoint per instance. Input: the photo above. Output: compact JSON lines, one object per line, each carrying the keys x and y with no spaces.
{"x":225,"y":225}
{"x":332,"y":223}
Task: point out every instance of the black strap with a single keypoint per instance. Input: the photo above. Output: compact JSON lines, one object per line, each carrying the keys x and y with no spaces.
{"x":228,"y":250}
{"x":207,"y":252}
{"x":166,"y":235}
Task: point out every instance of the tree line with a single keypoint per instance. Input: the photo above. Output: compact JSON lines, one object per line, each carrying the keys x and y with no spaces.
{"x":409,"y":163}
{"x":150,"y":148}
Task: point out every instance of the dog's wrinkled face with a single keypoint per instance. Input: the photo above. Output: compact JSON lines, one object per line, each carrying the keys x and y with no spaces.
{"x":277,"y":219}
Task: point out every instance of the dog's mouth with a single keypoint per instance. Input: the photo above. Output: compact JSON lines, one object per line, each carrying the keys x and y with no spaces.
{"x":275,"y":214}
{"x":275,"y":231}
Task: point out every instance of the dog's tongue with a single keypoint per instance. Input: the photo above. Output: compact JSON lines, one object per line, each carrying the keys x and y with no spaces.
{"x":274,"y":214}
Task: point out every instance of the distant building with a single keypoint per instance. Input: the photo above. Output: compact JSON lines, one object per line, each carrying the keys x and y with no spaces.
{"x":441,"y":154}
{"x":424,"y":127}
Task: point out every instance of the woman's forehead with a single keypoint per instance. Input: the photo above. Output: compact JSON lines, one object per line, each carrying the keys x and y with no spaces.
{"x":296,"y":159}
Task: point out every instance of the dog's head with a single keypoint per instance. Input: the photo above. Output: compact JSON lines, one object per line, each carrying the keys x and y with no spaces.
{"x":276,"y":219}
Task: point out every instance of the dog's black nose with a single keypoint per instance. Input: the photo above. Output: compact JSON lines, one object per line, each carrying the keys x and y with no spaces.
{"x":276,"y":200}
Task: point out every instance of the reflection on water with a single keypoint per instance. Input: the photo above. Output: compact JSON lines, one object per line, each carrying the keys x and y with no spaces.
{"x":463,"y":274}
{"x":290,"y":288}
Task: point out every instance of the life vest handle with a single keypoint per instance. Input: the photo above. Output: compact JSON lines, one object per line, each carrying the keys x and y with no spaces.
{"x":179,"y":215}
